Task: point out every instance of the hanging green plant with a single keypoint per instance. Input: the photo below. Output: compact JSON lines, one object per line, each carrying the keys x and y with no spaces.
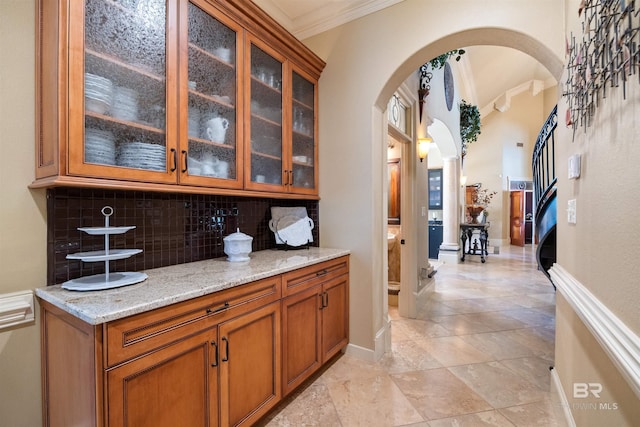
{"x":440,"y":60}
{"x":469,"y":124}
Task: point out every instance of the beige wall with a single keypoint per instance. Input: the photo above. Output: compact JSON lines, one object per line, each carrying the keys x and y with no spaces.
{"x":600,"y":250}
{"x":22,"y":216}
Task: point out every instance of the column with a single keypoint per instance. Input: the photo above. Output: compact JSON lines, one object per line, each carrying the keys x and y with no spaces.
{"x":450,"y":247}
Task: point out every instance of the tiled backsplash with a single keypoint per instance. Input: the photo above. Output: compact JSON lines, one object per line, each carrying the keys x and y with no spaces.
{"x":170,"y":228}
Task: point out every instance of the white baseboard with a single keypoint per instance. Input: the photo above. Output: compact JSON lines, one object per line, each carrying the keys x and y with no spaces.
{"x":620,"y":343}
{"x":560,"y":402}
{"x":382,"y":338}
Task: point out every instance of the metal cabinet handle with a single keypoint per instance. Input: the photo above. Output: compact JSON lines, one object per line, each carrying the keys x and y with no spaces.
{"x":226,"y":353}
{"x":215,"y":358}
{"x":321,"y":301}
{"x":326,"y":297}
{"x":221,"y":308}
{"x":175,"y":160}
{"x":321,"y":272}
{"x":291,"y":177}
{"x":186,"y":165}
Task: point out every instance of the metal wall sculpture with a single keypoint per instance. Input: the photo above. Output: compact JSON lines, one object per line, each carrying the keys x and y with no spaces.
{"x":606,"y":57}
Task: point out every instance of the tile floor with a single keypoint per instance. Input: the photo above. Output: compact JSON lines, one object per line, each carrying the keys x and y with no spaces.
{"x":478,"y":354}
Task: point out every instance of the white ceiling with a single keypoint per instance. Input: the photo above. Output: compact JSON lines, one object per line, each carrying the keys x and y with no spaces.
{"x":492,"y":74}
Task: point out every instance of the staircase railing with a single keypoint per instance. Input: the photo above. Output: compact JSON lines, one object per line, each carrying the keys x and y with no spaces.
{"x":544,"y":161}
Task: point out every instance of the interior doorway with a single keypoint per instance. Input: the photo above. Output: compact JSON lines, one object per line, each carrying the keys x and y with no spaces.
{"x":521,"y":217}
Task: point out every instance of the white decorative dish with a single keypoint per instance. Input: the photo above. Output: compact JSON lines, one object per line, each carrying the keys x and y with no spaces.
{"x":237,"y":246}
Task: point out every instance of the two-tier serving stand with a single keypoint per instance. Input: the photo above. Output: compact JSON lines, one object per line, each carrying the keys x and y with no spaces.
{"x":107,"y":280}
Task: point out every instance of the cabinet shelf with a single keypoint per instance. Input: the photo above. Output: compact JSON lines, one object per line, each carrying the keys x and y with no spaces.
{"x":266,"y":156}
{"x":212,"y":98}
{"x":303,"y":104}
{"x":114,"y":66}
{"x":210,"y":55}
{"x":211,"y":143}
{"x":124,"y":123}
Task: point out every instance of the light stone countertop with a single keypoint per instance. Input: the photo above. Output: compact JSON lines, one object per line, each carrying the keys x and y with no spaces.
{"x":176,"y":283}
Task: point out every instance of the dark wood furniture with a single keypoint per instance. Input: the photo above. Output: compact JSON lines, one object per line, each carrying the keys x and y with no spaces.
{"x":472,"y":245}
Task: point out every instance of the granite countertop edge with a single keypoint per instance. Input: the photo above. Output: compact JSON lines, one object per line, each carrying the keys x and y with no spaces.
{"x":182,"y":282}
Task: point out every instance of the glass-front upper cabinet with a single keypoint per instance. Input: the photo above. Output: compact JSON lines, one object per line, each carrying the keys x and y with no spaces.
{"x":121,"y":128}
{"x":266,"y":152}
{"x":303,"y":178}
{"x":210,"y":127}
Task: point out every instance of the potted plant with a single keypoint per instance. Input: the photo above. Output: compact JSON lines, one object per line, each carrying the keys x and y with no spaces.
{"x":469,"y":124}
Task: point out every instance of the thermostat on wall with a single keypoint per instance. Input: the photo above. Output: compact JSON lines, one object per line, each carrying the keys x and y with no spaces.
{"x":574,"y":166}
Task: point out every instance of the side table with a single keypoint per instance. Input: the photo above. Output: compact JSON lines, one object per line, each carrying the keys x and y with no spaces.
{"x":466,"y":234}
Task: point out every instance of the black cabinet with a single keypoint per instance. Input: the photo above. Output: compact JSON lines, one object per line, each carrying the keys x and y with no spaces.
{"x":435,"y":189}
{"x":435,"y":240}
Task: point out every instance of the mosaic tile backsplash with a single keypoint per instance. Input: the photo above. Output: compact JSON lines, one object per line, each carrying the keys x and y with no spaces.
{"x":170,"y":228}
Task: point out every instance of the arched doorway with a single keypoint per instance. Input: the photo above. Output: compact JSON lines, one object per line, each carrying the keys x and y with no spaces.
{"x":365,"y":64}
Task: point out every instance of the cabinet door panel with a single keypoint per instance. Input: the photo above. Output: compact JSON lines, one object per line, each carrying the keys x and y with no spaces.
{"x":265,"y":118}
{"x":335,"y":316}
{"x":304,"y":151}
{"x":171,"y":387}
{"x":249,"y":366}
{"x":210,"y":129}
{"x":301,"y":315}
{"x":119,"y":103}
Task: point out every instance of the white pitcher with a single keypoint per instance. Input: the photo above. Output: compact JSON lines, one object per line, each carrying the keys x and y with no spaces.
{"x":216,"y":129}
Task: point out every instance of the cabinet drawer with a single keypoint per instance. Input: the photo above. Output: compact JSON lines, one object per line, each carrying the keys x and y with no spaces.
{"x":304,"y":278}
{"x":139,"y":334}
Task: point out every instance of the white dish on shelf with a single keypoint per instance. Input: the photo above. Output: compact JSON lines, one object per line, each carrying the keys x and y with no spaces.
{"x":99,"y":281}
{"x":95,"y":256}
{"x":95,"y":231}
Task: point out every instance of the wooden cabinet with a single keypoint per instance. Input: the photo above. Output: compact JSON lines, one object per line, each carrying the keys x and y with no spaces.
{"x":249,"y":366}
{"x":216,"y":360}
{"x":195,"y":96}
{"x":315,"y":319}
{"x":175,"y":385}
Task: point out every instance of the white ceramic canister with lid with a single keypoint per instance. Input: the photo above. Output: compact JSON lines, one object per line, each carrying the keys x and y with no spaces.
{"x":237,"y":246}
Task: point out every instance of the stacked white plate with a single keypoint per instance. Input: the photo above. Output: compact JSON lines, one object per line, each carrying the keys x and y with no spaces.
{"x":142,"y":155}
{"x":99,"y":147}
{"x":98,"y":93}
{"x":125,"y":104}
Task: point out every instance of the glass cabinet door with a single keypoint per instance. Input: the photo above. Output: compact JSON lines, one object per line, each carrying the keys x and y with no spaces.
{"x":303,"y":141}
{"x":267,"y":166}
{"x":211,"y":126}
{"x":124,"y":89}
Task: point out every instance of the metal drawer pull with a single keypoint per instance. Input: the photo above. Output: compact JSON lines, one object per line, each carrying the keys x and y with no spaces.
{"x":216,"y":310}
{"x":226,"y":353}
{"x":321,"y":272}
{"x":215,"y":358}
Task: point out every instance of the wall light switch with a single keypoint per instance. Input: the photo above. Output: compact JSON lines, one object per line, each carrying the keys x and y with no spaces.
{"x":424,"y":211}
{"x":571,"y":211}
{"x":574,"y":166}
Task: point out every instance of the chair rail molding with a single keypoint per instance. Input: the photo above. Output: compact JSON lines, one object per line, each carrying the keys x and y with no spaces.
{"x":620,"y":343}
